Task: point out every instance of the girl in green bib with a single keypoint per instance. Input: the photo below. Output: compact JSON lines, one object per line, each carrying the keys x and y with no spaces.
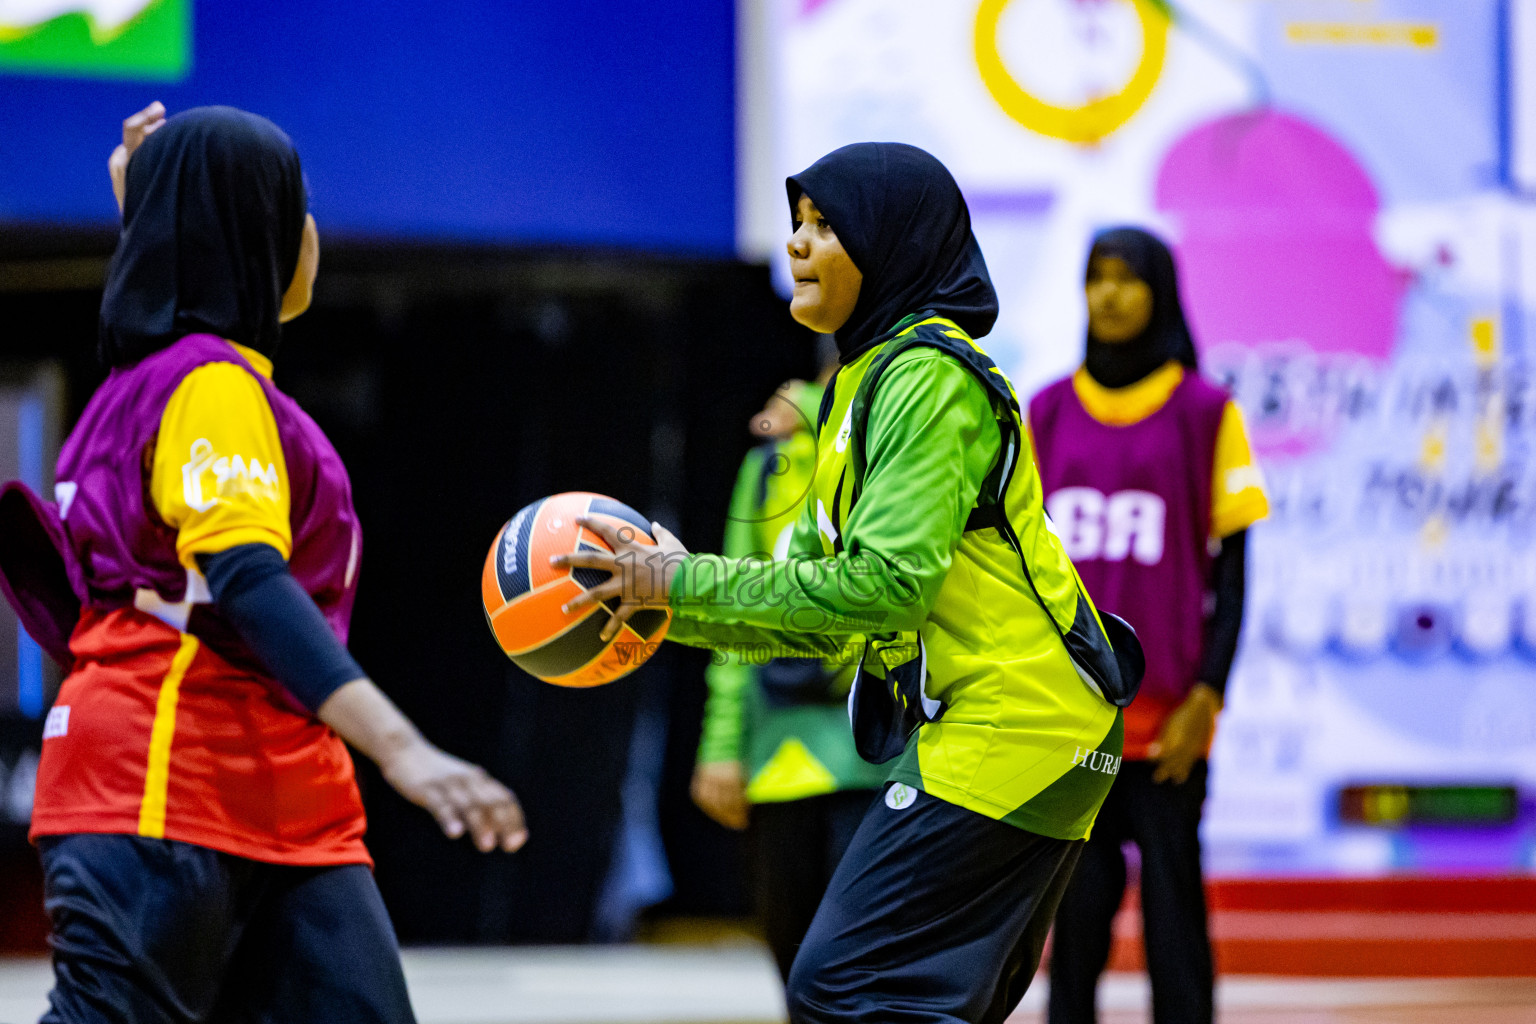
{"x":986,"y":676}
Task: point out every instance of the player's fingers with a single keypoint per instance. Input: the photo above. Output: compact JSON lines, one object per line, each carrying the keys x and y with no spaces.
{"x":728,"y":808}
{"x":494,"y":797}
{"x":460,"y":795}
{"x":507,"y":820}
{"x":448,"y":818}
{"x":586,"y":559}
{"x":1181,"y":769}
{"x":133,"y":125}
{"x":485,"y":787}
{"x":481,"y":828}
{"x":664,"y":537}
{"x":616,"y":621}
{"x":613,"y":536}
{"x":718,"y":812}
{"x":502,"y":814}
{"x":470,"y":817}
{"x":604,"y":591}
{"x":514,"y":827}
{"x":1173,"y":768}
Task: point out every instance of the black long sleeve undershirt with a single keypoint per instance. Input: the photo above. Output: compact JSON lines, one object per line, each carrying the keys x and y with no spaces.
{"x":281,"y":624}
{"x":1228,"y":581}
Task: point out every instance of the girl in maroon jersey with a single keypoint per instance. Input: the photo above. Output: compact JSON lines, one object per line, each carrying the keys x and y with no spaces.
{"x":197,"y":817}
{"x":1149,"y":480}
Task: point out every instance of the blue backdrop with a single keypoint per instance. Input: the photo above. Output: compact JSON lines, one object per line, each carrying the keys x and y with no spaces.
{"x":582,"y":122}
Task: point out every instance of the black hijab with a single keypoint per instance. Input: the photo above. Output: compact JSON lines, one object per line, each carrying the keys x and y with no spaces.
{"x":212,"y":221}
{"x":1166,"y":335}
{"x":904,"y":223}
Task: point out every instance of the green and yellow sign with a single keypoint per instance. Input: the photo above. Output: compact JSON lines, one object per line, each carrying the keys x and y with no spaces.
{"x":149,"y":40}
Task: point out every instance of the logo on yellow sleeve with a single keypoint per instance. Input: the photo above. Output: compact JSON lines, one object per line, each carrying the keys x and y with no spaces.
{"x":231,"y":477}
{"x":1244,"y":478}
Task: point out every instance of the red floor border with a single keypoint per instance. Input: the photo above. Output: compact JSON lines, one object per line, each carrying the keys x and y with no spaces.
{"x":1403,"y":926}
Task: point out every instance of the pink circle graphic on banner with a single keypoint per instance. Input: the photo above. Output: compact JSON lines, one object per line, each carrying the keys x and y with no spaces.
{"x":1276,"y":251}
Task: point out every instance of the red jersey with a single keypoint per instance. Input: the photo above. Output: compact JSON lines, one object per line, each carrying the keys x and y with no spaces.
{"x":166,"y":726}
{"x":154,"y":734}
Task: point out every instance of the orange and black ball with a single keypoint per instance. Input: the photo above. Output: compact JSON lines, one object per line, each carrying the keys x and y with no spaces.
{"x":523,"y":594}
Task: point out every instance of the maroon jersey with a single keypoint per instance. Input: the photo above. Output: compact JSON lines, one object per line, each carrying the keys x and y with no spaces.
{"x":1132,"y":504}
{"x":166,"y":726}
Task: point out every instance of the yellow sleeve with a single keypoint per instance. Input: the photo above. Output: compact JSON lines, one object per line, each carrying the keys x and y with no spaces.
{"x":1237,"y":490}
{"x":219,"y":476}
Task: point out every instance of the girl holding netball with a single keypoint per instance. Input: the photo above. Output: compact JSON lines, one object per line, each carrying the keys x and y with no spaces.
{"x":987,"y":676}
{"x":197,"y":815}
{"x":1149,"y":478}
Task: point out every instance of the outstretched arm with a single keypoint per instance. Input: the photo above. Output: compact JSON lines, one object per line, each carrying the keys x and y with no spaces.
{"x":932,"y":439}
{"x":461,"y":796}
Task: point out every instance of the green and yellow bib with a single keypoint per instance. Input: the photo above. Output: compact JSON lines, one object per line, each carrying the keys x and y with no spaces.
{"x":1004,"y":702}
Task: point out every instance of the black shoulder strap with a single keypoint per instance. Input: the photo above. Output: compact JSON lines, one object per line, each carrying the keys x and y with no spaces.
{"x":987,"y":512}
{"x":1115,"y":666}
{"x":825,"y":409}
{"x":765,"y":472}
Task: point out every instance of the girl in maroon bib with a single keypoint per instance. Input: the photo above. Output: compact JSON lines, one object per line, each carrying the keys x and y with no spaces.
{"x":1149,"y":482}
{"x":197,"y":816}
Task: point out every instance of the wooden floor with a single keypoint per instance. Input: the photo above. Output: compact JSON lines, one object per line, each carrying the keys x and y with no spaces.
{"x":736,"y":984}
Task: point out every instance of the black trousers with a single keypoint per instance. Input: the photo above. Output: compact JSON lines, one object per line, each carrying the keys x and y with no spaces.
{"x":150,"y":931}
{"x":1163,"y":820}
{"x":936,"y":915}
{"x":796,"y":846}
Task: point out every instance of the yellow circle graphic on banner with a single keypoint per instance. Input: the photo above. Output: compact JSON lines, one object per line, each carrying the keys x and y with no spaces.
{"x":1091,"y":121}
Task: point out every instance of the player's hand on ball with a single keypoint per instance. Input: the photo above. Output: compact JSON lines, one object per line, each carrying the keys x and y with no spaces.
{"x":720,"y":790}
{"x":1185,"y":735}
{"x":461,"y":796}
{"x":641,"y":573}
{"x":135,"y":130}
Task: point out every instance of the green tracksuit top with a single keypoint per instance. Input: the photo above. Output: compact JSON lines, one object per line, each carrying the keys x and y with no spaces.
{"x":794,"y":751}
{"x":882,"y":551}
